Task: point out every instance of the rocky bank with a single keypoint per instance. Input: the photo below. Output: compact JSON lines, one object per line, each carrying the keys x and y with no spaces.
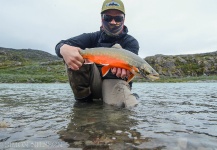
{"x":184,"y":65}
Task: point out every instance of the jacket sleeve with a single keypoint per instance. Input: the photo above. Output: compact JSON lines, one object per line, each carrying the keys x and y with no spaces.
{"x":131,"y":44}
{"x":85,"y":40}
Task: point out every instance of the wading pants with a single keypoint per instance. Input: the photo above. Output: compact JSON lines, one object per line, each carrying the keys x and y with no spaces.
{"x":86,"y":83}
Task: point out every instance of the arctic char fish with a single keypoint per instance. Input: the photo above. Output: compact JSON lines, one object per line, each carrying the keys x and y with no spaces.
{"x":119,"y":58}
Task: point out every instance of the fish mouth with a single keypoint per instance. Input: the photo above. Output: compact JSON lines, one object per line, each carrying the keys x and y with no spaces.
{"x":148,"y":75}
{"x":153,"y":77}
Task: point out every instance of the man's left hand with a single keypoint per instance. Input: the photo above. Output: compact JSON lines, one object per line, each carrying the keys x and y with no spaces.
{"x":120,"y":72}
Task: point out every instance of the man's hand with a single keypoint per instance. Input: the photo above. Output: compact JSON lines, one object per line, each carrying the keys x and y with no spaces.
{"x":71,"y":56}
{"x":121,"y":72}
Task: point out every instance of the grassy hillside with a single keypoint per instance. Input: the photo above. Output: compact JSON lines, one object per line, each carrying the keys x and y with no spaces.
{"x":35,"y":66}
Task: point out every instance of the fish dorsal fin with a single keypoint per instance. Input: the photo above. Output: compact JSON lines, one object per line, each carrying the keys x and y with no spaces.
{"x":117,"y":46}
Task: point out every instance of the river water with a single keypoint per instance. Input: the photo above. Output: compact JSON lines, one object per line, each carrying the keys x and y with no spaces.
{"x":176,"y":116}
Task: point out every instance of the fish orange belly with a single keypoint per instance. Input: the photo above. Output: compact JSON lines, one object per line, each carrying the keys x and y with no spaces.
{"x":108,"y":60}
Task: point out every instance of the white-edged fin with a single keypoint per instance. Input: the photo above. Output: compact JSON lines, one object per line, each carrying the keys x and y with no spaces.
{"x":117,"y":46}
{"x":105,"y":70}
{"x":130,"y":78}
{"x":104,"y":64}
{"x":86,"y":61}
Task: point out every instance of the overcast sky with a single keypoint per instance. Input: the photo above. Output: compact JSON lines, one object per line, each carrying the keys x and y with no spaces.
{"x":168,"y":27}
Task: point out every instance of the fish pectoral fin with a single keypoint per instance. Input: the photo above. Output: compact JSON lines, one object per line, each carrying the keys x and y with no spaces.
{"x":135,"y":69}
{"x":105,"y":70}
{"x":130,"y":78}
{"x":87,"y":61}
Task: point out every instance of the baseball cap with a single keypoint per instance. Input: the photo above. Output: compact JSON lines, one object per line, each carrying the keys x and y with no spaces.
{"x":113,"y":4}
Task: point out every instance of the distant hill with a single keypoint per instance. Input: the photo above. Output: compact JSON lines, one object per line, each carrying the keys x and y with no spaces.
{"x":7,"y":54}
{"x":36,"y":66}
{"x":27,"y":65}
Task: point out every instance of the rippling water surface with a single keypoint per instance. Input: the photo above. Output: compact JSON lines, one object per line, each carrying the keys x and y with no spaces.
{"x":175,"y":116}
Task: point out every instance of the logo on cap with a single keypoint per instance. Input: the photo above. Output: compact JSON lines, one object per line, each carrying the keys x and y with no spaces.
{"x":112,"y":4}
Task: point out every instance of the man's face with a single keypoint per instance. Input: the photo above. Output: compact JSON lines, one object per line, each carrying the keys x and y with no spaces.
{"x":113,"y":22}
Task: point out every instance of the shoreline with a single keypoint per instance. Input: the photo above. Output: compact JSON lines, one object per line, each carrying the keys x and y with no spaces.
{"x":201,"y":79}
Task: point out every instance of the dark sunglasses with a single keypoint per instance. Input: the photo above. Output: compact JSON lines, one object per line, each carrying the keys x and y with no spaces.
{"x":109,"y":18}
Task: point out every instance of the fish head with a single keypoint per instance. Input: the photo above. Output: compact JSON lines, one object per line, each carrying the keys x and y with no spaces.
{"x":147,"y":71}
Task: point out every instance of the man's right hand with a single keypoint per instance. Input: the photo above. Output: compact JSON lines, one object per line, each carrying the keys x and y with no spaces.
{"x":71,"y":56}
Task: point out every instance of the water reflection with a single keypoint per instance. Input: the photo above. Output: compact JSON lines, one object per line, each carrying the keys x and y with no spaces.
{"x":95,"y":125}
